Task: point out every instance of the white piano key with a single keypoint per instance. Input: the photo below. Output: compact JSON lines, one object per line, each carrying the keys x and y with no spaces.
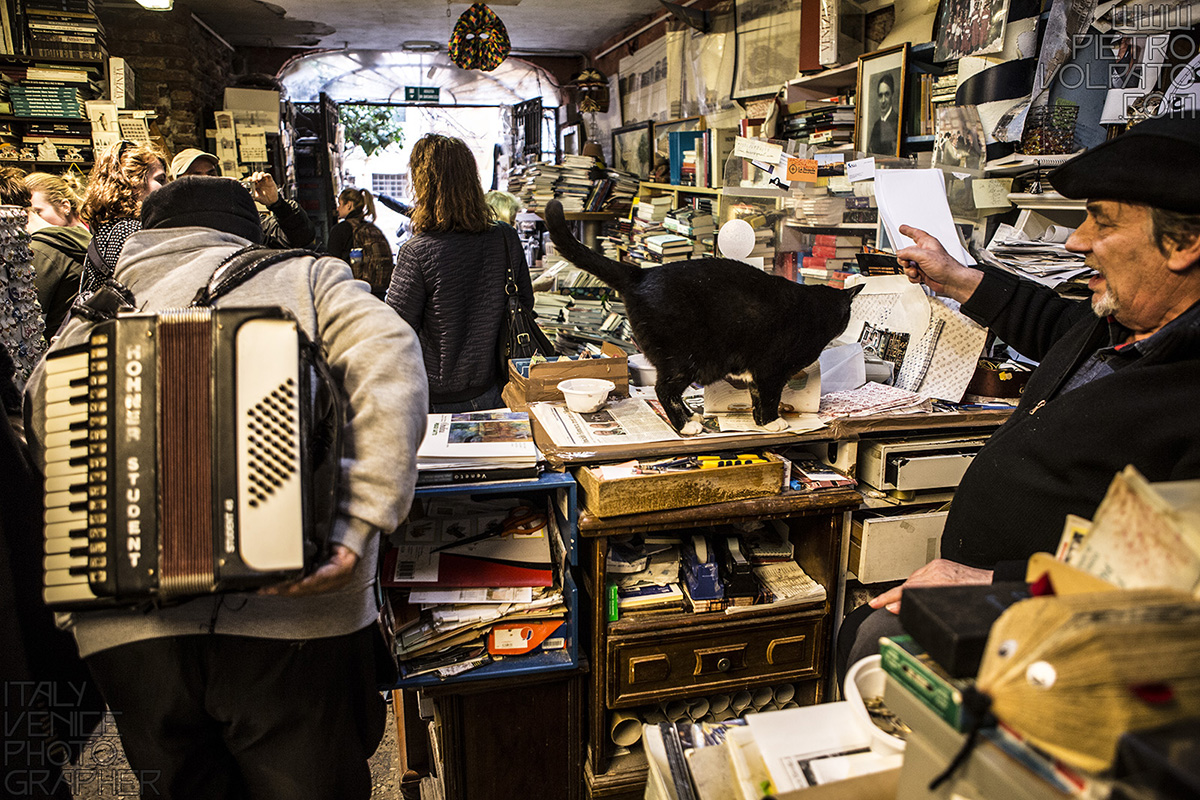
{"x":67,"y":363}
{"x":64,"y":514}
{"x":55,"y":469}
{"x":65,"y":421}
{"x":75,"y":529}
{"x":76,"y":482}
{"x":68,"y":438}
{"x":59,"y":499}
{"x":66,"y":394}
{"x":60,"y":378}
{"x":62,"y":577}
{"x":68,"y":593}
{"x":66,"y":408}
{"x":63,"y":561}
{"x":63,"y":544}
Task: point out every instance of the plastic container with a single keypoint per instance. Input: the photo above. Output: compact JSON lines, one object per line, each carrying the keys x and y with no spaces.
{"x":584,"y":395}
{"x":641,"y":371}
{"x":866,"y":679}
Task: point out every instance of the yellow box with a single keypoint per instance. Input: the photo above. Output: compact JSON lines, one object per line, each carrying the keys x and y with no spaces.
{"x":661,"y":491}
{"x":543,"y":378}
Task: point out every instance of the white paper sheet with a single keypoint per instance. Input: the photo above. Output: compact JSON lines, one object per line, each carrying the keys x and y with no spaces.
{"x":917,"y":197}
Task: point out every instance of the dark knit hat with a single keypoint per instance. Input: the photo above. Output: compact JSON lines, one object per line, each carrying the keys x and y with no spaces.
{"x":222,"y":204}
{"x":1156,"y":162}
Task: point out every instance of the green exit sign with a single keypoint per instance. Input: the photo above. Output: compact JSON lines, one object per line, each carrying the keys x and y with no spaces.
{"x":421,"y":94}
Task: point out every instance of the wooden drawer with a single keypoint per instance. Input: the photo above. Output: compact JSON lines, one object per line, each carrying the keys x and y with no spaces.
{"x":651,"y":666}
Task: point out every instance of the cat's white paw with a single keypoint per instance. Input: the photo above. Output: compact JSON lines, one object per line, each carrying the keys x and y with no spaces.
{"x":777,"y":424}
{"x":692,"y":427}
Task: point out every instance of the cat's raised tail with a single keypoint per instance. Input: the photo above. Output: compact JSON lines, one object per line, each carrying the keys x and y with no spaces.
{"x":616,"y":274}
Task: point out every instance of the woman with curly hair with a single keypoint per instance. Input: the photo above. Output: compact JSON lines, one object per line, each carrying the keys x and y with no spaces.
{"x":450,"y":276}
{"x":124,"y":175}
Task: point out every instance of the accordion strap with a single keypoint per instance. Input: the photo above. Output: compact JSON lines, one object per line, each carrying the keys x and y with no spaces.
{"x":240,"y":267}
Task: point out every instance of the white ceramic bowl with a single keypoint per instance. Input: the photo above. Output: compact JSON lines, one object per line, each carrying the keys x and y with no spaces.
{"x":584,"y":395}
{"x":866,"y":679}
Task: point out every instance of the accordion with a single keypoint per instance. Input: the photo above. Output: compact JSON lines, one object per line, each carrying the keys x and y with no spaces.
{"x":187,"y":452}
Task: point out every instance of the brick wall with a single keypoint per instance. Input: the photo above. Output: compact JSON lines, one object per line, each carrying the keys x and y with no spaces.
{"x":182,"y":69}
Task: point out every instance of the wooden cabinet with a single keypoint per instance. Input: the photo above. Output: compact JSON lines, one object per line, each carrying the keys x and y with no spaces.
{"x":643,"y":660}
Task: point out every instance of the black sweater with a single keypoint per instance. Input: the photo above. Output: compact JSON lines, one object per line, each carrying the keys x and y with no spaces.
{"x":1058,"y":452}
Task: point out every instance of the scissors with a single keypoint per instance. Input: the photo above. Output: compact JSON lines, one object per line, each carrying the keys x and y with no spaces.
{"x":520,"y":521}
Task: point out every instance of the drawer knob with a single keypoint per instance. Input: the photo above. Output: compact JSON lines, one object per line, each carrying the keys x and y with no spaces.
{"x":723,"y":664}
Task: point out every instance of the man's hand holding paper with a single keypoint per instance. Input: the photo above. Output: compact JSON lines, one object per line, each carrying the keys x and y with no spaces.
{"x":926,"y":261}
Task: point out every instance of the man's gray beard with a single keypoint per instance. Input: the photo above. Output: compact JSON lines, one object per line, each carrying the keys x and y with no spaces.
{"x":1106,"y":305}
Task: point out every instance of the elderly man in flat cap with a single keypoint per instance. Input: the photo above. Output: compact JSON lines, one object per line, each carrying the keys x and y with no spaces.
{"x":1119,"y":374}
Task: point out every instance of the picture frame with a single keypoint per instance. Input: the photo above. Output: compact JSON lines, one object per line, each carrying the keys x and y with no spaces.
{"x":633,"y":149}
{"x":571,"y":137}
{"x":767,"y":52}
{"x":879,"y":106}
{"x":966,"y":28}
{"x":662,"y":137}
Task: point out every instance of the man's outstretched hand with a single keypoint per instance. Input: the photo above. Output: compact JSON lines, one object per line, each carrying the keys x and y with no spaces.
{"x":939,"y":572}
{"x":926,"y":261}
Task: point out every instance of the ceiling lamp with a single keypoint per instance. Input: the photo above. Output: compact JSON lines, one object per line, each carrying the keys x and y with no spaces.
{"x":156,"y":5}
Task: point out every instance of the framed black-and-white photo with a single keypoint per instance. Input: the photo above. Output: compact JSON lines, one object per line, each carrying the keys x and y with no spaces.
{"x":879,"y":121}
{"x":570,"y":138}
{"x":633,"y":149}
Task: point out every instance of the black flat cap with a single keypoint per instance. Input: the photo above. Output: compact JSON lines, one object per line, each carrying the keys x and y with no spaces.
{"x":222,"y":204}
{"x":1156,"y":162}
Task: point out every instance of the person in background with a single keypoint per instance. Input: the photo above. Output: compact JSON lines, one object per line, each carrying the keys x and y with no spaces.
{"x":269,"y":694}
{"x":285,"y":225}
{"x":505,"y":205}
{"x":124,"y":175}
{"x":1118,"y":374}
{"x":450,"y":277}
{"x":358,"y":231}
{"x":59,"y":244}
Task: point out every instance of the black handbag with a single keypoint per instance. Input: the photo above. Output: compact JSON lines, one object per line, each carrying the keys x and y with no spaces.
{"x":520,"y":336}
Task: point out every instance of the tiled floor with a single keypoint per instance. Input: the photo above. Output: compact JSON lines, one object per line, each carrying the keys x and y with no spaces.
{"x":104,"y":774}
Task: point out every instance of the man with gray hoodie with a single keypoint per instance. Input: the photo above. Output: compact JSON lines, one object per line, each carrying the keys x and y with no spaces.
{"x":270,"y":694}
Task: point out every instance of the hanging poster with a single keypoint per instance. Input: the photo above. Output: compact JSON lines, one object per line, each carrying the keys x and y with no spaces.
{"x":768,"y":36}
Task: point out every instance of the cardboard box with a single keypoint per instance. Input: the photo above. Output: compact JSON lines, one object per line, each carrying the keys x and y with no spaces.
{"x":530,"y":384}
{"x":890,"y":548}
{"x":666,"y":490}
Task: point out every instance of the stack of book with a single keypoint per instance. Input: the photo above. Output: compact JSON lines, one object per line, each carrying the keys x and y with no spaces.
{"x":573,"y":188}
{"x":65,"y":29}
{"x":823,"y":123}
{"x":663,"y":248}
{"x":473,"y":580}
{"x":477,"y":446}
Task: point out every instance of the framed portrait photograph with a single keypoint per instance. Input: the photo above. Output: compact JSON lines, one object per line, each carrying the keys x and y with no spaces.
{"x":879,"y":118}
{"x":570,"y":138}
{"x":632,"y":149}
{"x":662,"y":137}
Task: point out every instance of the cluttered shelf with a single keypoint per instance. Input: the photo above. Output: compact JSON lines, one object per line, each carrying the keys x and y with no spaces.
{"x":59,"y":163}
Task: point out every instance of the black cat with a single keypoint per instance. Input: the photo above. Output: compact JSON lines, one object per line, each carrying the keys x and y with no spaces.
{"x":710,"y":318}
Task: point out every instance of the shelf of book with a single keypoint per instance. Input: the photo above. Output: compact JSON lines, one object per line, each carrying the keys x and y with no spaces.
{"x":558,"y":490}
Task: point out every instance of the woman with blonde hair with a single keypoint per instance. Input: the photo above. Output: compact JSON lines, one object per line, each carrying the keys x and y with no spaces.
{"x":56,"y":199}
{"x":450,"y":277}
{"x":124,"y":175}
{"x":357,"y":231}
{"x":59,"y":244}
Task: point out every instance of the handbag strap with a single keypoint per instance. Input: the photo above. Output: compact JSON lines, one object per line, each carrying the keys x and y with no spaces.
{"x":510,"y":283}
